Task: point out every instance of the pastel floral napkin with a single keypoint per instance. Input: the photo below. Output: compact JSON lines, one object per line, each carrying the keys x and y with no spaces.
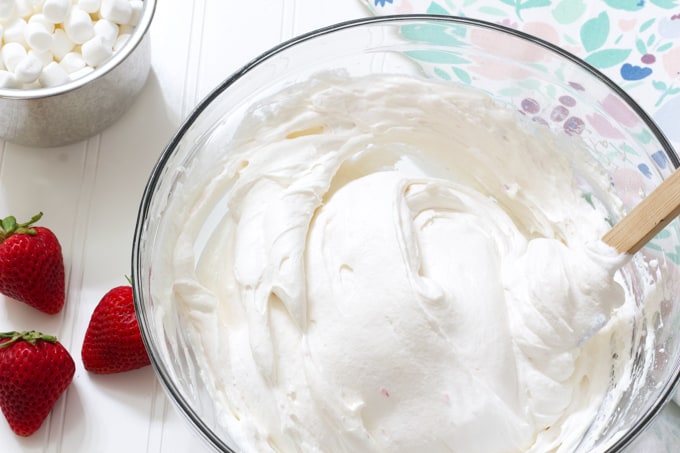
{"x":636,"y":43}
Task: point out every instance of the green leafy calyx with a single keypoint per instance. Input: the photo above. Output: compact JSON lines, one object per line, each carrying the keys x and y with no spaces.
{"x":9,"y":226}
{"x":30,"y":336}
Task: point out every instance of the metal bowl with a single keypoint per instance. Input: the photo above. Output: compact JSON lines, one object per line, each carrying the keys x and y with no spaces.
{"x":72,"y":112}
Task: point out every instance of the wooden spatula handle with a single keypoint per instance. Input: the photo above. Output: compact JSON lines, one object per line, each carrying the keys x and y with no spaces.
{"x":649,"y":217}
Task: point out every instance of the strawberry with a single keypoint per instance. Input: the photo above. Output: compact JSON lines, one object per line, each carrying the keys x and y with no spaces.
{"x":35,"y":369}
{"x":113,"y":342}
{"x":31,"y":265}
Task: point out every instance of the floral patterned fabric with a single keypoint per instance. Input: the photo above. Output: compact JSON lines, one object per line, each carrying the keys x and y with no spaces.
{"x":636,"y":43}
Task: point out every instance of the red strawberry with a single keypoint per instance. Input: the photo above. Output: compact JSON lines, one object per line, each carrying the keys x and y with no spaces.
{"x":35,"y":369}
{"x":31,"y":265}
{"x":113,"y":342}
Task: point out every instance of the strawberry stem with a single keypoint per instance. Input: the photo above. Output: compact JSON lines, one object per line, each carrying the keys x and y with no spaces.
{"x":9,"y":226}
{"x":30,"y":336}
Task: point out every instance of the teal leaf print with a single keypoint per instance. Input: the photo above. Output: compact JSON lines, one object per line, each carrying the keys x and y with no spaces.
{"x":647,"y":24}
{"x":659,"y":85}
{"x":641,"y":46}
{"x":651,"y":39}
{"x":594,"y":32}
{"x":436,"y":56}
{"x":535,"y":4}
{"x":569,"y":40}
{"x":652,"y":246}
{"x":462,"y":75}
{"x":644,"y":136}
{"x":673,"y":256}
{"x":667,"y":4}
{"x":519,"y":5}
{"x":491,"y":11}
{"x":530,"y":4}
{"x":626,"y":5}
{"x":664,"y":47}
{"x":665,"y":91}
{"x":434,"y":34}
{"x":663,"y":234}
{"x":569,"y":11}
{"x":439,"y":72}
{"x":607,"y":58}
{"x":436,"y":8}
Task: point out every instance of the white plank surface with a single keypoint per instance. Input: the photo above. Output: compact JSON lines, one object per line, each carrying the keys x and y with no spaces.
{"x":90,"y":193}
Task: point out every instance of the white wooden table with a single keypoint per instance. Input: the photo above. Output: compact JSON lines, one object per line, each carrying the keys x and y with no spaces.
{"x":90,"y":194}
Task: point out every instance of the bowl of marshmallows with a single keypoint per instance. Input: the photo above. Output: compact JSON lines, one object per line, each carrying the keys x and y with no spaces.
{"x":69,"y":68}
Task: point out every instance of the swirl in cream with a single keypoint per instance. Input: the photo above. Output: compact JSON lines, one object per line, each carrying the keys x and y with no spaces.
{"x":398,"y":265}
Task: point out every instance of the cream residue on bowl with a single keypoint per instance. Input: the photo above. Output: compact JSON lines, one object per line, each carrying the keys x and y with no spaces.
{"x":392,"y":264}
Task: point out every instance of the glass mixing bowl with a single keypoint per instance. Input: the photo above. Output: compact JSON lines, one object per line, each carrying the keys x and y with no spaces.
{"x":539,"y":80}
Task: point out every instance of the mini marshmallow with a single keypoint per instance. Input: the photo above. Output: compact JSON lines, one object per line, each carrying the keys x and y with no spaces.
{"x":119,"y":11}
{"x":42,"y":20}
{"x":37,"y":5}
{"x":15,"y":31}
{"x":78,"y":26}
{"x":53,"y":75}
{"x":24,"y":8}
{"x":56,"y":11}
{"x":106,"y":29}
{"x":7,"y":80}
{"x":12,"y":53}
{"x":96,"y":51}
{"x":45,"y":57}
{"x":28,"y":69}
{"x":81,"y":72}
{"x":120,"y":42}
{"x":7,"y":10}
{"x":72,"y":62}
{"x":61,"y":44}
{"x":89,"y":6}
{"x":38,"y":37}
{"x":137,"y":7}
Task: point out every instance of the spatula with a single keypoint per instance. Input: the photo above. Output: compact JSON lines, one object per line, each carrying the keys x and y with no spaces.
{"x":646,"y":219}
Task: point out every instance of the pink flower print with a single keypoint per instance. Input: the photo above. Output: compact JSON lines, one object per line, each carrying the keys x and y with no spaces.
{"x":619,"y":111}
{"x":508,"y":23}
{"x":517,"y":49}
{"x":671,"y":62}
{"x":542,"y":30}
{"x":404,"y":7}
{"x":603,"y":127}
{"x":628,"y":183}
{"x":627,"y":24}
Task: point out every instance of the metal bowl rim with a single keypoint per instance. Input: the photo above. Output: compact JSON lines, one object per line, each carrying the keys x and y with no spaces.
{"x":116,"y":59}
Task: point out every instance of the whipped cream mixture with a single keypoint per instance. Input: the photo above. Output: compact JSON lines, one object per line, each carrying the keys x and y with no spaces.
{"x":388,"y":264}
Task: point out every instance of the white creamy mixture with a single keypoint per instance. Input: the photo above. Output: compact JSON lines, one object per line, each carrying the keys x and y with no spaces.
{"x":398,"y":265}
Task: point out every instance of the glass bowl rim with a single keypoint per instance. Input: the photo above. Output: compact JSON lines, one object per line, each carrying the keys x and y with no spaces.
{"x":148,"y":194}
